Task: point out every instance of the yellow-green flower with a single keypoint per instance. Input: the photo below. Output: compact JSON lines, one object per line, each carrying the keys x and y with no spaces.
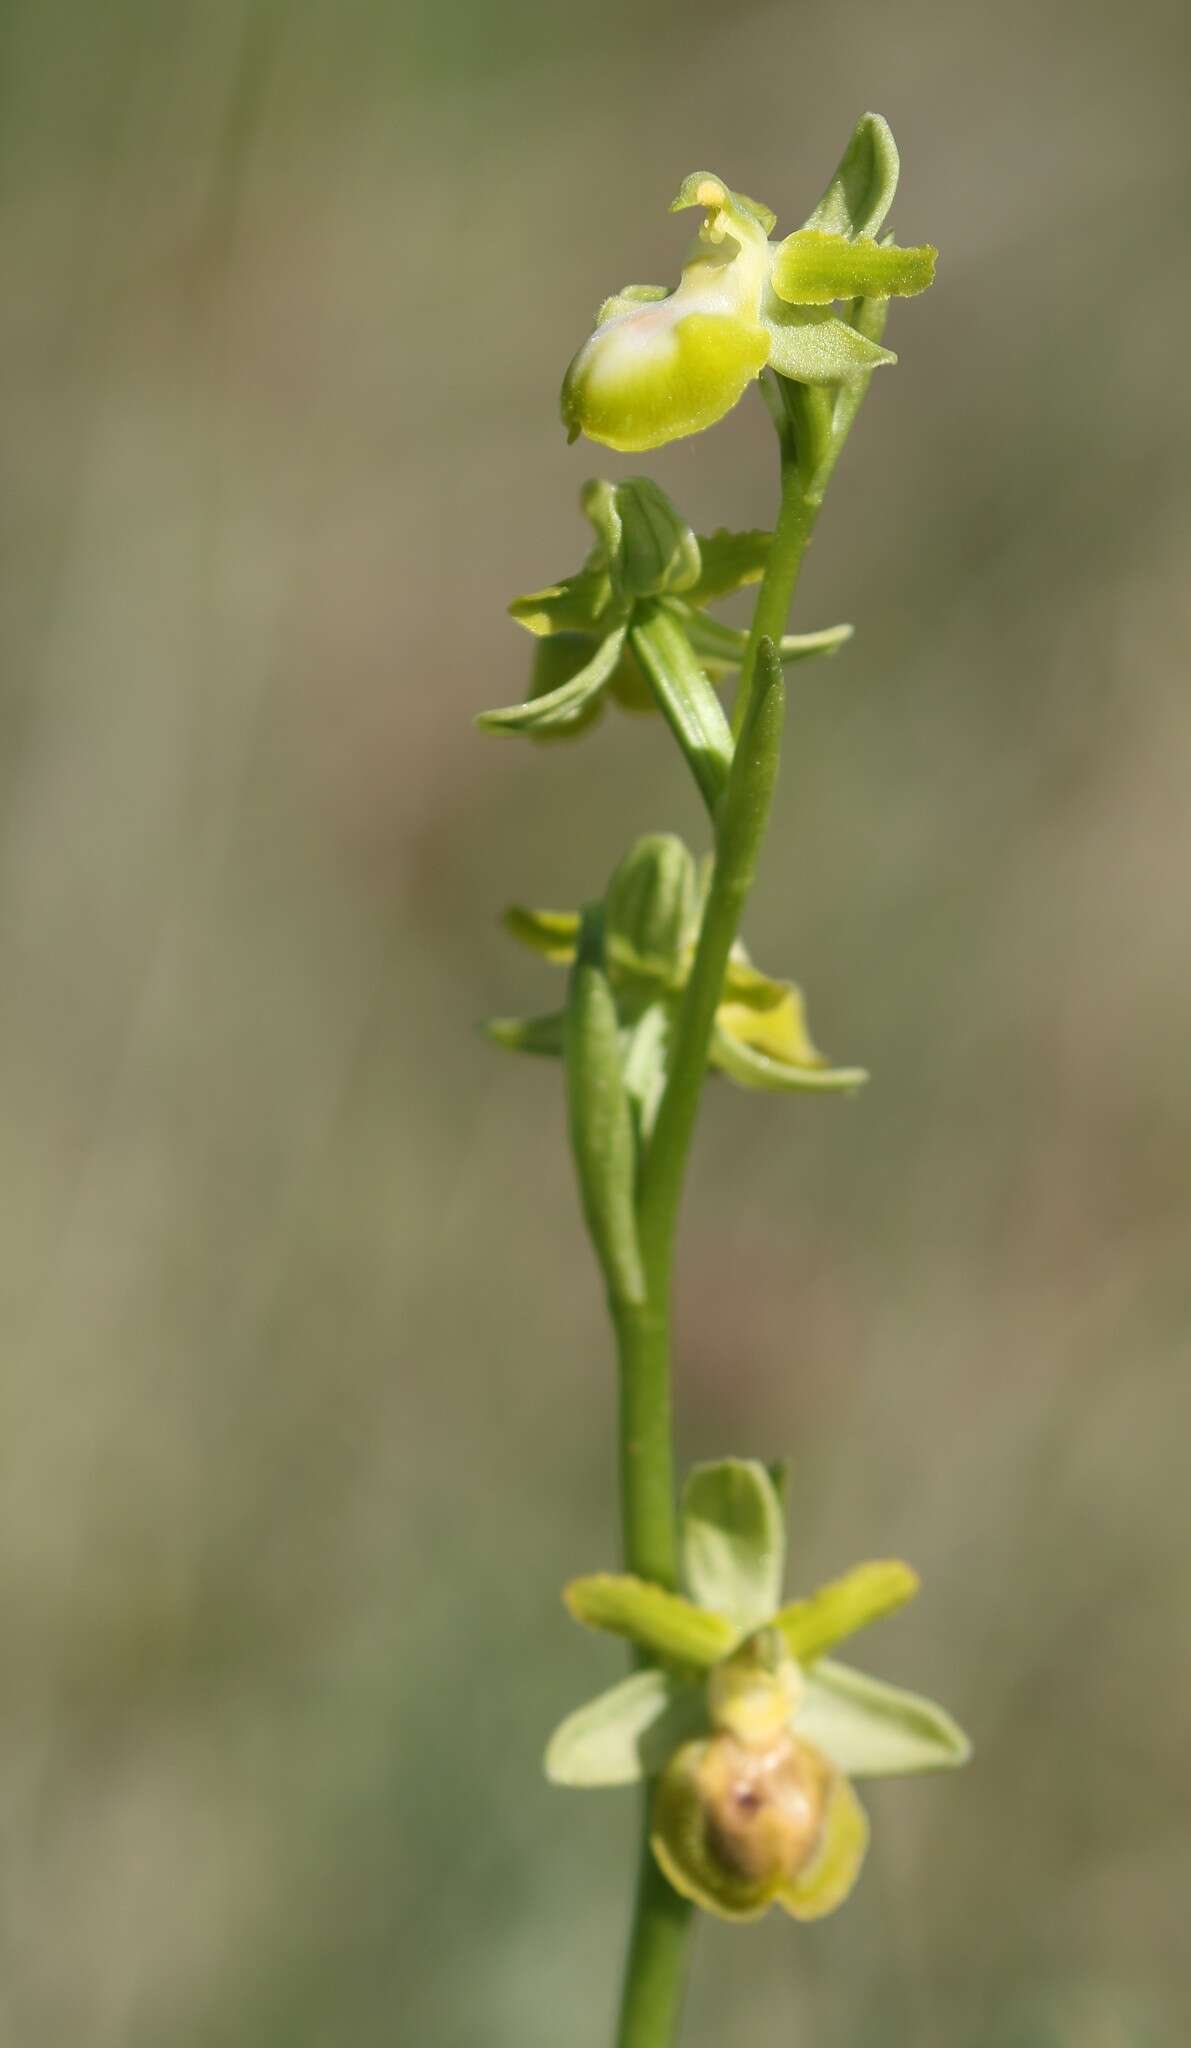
{"x":751,"y":1732}
{"x":650,"y":925}
{"x":663,"y":363}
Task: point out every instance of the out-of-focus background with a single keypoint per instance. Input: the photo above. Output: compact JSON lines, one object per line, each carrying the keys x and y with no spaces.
{"x":306,"y":1401}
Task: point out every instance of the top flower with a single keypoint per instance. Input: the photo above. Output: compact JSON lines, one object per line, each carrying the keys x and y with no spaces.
{"x":662,"y":364}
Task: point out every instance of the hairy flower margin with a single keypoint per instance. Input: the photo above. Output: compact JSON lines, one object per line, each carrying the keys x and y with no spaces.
{"x":663,"y":363}
{"x":750,"y":1731}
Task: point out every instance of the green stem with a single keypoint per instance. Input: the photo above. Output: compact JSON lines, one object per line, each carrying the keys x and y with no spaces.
{"x":648,"y":1534}
{"x":655,"y":1973}
{"x":810,"y":439}
{"x":750,"y":787}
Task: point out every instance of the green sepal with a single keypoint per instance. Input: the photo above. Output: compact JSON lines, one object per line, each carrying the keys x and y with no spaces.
{"x":733,"y":1540}
{"x":558,"y":660}
{"x":552,"y":933}
{"x":809,"y":345}
{"x":749,"y":1068}
{"x":543,"y":1035}
{"x":657,"y":551}
{"x":726,"y":646}
{"x":582,"y":603}
{"x":866,"y":1593}
{"x":559,"y":707}
{"x":827,"y":1881}
{"x":626,"y":1733}
{"x":686,"y":699}
{"x":649,"y":910}
{"x":728,"y":561}
{"x":603,"y":1138}
{"x":861,"y":190}
{"x":660,"y":1623}
{"x":812,"y":269}
{"x":872,"y":1730}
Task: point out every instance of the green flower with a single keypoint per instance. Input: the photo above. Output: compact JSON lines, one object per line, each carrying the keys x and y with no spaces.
{"x":664,"y":363}
{"x":632,"y":624}
{"x":651,"y":917}
{"x":751,"y":1732}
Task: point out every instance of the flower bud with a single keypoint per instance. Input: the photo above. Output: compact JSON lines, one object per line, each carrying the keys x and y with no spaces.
{"x":650,"y":909}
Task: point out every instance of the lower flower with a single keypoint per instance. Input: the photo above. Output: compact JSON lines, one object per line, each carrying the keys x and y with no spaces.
{"x":752,"y":1734}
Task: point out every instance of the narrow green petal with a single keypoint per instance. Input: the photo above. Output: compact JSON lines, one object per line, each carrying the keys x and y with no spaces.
{"x":872,"y":1730}
{"x":727,"y":645}
{"x":557,"y":707}
{"x":752,"y":1069}
{"x":663,"y":1624}
{"x":542,"y":1035}
{"x":811,"y":269}
{"x":810,"y":346}
{"x":861,"y":190}
{"x":552,"y":933}
{"x":826,"y":1882}
{"x":837,"y":1610}
{"x":626,"y":1733}
{"x":733,"y":1540}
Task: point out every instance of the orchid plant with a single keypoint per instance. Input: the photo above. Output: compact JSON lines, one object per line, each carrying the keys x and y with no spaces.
{"x":744,"y":1730}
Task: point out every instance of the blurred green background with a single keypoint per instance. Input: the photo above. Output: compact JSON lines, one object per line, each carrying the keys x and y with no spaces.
{"x":306,"y":1404}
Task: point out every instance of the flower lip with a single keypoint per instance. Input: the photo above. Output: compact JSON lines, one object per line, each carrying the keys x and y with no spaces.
{"x":763,"y":1809}
{"x":663,"y":364}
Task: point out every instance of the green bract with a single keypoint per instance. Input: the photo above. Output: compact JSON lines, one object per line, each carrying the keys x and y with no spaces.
{"x":662,"y":363}
{"x":647,"y":931}
{"x":631,"y":624}
{"x":751,"y":1733}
